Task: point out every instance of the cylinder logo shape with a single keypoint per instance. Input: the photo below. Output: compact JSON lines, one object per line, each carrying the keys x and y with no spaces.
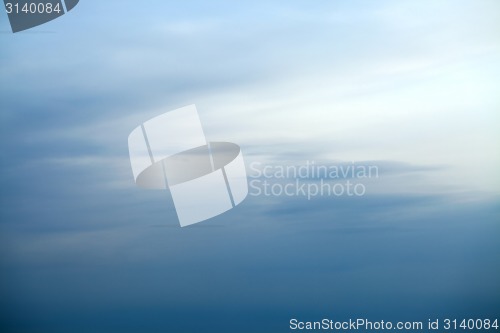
{"x":205,"y":178}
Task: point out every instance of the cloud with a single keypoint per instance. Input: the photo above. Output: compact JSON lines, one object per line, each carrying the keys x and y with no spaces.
{"x":411,"y":88}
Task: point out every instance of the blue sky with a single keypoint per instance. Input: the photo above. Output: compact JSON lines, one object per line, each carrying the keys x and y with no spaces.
{"x":410,"y":87}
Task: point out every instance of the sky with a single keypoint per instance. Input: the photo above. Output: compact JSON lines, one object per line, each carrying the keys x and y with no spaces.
{"x":409,"y":87}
